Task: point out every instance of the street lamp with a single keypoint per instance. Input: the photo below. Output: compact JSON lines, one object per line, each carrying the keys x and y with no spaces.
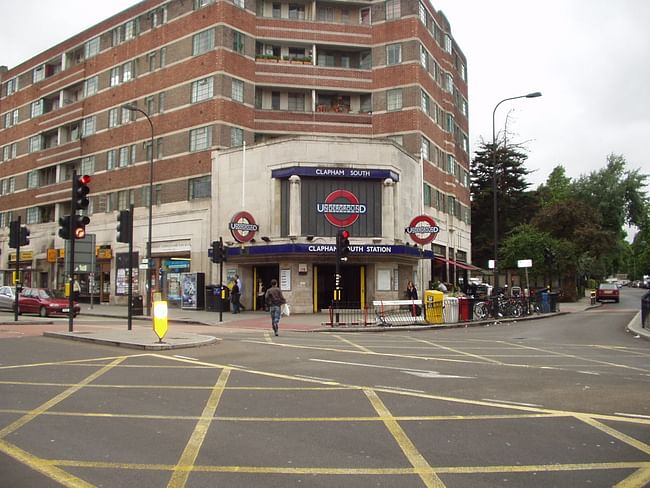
{"x":494,"y":185}
{"x":135,"y":108}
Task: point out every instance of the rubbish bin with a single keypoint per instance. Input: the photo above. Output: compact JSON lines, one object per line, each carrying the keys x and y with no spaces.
{"x":450,"y":310}
{"x":213,"y":298}
{"x":546,"y":303}
{"x":554,"y":299}
{"x":136,"y":305}
{"x":433,"y":302}
{"x":463,"y":308}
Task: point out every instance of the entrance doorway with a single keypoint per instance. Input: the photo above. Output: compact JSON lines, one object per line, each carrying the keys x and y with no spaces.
{"x":351,"y":281}
{"x":262,"y":275}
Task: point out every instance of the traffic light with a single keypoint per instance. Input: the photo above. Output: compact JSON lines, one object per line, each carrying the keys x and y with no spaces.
{"x":64,"y":227}
{"x":549,"y":256}
{"x":80,"y":192}
{"x":219,"y":251}
{"x":79,"y":223}
{"x":14,"y":234}
{"x":124,"y":226}
{"x":342,"y":244}
{"x":24,"y":236}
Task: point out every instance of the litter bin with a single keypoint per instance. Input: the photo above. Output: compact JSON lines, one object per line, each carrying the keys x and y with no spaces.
{"x":213,"y":298}
{"x":554,"y":299}
{"x":546,"y":303}
{"x":433,"y":302}
{"x":136,"y":305}
{"x":450,"y":310}
{"x":463,"y":308}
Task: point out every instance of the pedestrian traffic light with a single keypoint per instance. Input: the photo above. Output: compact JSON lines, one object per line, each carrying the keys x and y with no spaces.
{"x":24,"y":236}
{"x":79,"y":223}
{"x":14,"y":234}
{"x":64,"y":227}
{"x":342,"y":244}
{"x":124,"y":226}
{"x":219,"y":251}
{"x":80,"y":192}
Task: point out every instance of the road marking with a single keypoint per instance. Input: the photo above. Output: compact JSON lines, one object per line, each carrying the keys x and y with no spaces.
{"x":399,"y":389}
{"x":185,"y":464}
{"x":634,"y":415}
{"x":185,"y":357}
{"x":640,"y":477}
{"x":423,"y":373}
{"x":313,"y":377}
{"x":631,"y":441}
{"x":512,"y":403}
{"x":590,"y":372}
{"x":458,"y":351}
{"x":424,"y":470}
{"x":361,"y":348}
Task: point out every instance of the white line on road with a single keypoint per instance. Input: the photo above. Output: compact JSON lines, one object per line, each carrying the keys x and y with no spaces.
{"x":423,"y":373}
{"x":399,"y":389}
{"x":511,"y":403}
{"x":635,"y":415}
{"x":185,"y":357}
{"x":589,"y":372}
{"x":313,"y":377}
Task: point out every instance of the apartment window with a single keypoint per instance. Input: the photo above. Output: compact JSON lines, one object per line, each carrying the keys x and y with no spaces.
{"x":11,"y":118}
{"x":275,"y":100}
{"x":158,"y":16}
{"x":424,"y":57}
{"x":90,"y":86}
{"x":200,"y":187}
{"x":297,"y":102}
{"x":32,"y":215}
{"x":426,"y":102}
{"x":87,"y":166}
{"x":38,"y":74}
{"x":114,"y":117}
{"x":426,"y":195}
{"x":465,"y":143}
{"x":425,"y":148}
{"x":259,"y":97}
{"x":422,"y":12}
{"x":32,"y":179}
{"x":365,"y":60}
{"x":449,"y":122}
{"x":35,"y":143}
{"x":124,"y":199}
{"x":148,"y":104}
{"x":127,"y":71}
{"x":448,"y":43}
{"x":364,"y":16}
{"x":202,"y":3}
{"x":325,"y":14}
{"x":202,"y":89}
{"x":239,"y":3}
{"x":157,"y":192}
{"x":129,"y":30}
{"x":9,"y":152}
{"x":276,"y":11}
{"x":115,"y":76}
{"x":37,"y":108}
{"x":398,"y":139}
{"x":151,"y":57}
{"x":296,"y":11}
{"x":449,"y":83}
{"x":394,"y":54}
{"x":8,"y":185}
{"x":91,"y":48}
{"x":236,"y":136}
{"x":12,"y":86}
{"x":127,"y":115}
{"x":238,"y":42}
{"x":202,"y":42}
{"x":237,"y":90}
{"x":161,"y":102}
{"x":451,"y":205}
{"x":88,"y":126}
{"x":394,"y":99}
{"x":163,"y":57}
{"x":393,"y":9}
{"x":111,"y":158}
{"x":201,"y":138}
{"x":117,"y":35}
{"x":451,"y":164}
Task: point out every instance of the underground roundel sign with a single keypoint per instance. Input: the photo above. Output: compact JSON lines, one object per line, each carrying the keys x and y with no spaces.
{"x":422,"y":229}
{"x":243,"y":227}
{"x":341,"y":208}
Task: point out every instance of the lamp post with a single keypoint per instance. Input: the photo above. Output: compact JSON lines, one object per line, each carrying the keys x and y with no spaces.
{"x":135,"y":108}
{"x":494,"y":185}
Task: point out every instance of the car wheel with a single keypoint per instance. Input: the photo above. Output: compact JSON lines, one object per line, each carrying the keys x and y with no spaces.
{"x":43,"y":312}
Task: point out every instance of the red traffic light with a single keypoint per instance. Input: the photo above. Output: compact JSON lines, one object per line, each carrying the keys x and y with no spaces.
{"x":84,"y":180}
{"x":345,"y":234}
{"x":79,"y":233}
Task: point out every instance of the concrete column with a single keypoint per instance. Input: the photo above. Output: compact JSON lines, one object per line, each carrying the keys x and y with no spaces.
{"x":295,"y":206}
{"x":388,"y":210}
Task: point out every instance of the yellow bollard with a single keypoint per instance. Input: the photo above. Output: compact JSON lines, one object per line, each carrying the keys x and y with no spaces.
{"x":160,"y":319}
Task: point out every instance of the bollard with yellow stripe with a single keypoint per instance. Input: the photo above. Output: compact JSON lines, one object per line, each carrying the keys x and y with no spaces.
{"x":160,"y":319}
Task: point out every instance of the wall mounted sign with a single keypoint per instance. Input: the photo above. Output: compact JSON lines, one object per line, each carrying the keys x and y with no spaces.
{"x":320,"y":172}
{"x":341,"y":208}
{"x":243,"y":227}
{"x":422,"y":229}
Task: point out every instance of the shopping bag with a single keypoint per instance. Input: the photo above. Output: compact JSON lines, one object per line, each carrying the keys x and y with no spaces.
{"x":285,"y":310}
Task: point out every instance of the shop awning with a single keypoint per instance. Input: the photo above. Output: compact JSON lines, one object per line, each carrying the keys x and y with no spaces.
{"x":458,"y":264}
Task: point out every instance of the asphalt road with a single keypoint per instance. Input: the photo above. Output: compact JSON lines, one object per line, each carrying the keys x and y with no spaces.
{"x":555,"y":402}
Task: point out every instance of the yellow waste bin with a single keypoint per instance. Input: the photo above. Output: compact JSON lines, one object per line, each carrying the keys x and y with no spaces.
{"x":433,"y":301}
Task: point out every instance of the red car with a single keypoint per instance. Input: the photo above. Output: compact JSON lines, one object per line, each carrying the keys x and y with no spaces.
{"x":607,"y":291}
{"x":45,"y":302}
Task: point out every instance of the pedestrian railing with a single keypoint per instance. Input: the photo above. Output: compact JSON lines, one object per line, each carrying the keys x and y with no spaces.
{"x":349,"y":314}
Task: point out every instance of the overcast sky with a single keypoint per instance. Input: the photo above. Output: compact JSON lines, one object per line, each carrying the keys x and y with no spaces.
{"x":589,"y":58}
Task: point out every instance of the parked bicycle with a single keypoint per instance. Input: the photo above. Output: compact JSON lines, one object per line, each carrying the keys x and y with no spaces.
{"x":505,"y":307}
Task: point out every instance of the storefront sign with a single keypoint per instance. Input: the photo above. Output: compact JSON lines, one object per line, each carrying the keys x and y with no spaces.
{"x":243,"y":227}
{"x":353,"y":173}
{"x":341,"y":203}
{"x":24,"y":256}
{"x":422,"y":229}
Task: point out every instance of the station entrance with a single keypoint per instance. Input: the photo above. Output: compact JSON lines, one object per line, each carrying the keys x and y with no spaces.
{"x":353,"y":284}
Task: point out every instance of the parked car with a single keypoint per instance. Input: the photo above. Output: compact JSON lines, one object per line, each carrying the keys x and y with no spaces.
{"x":45,"y":302}
{"x":7,"y":298}
{"x":608,"y":291}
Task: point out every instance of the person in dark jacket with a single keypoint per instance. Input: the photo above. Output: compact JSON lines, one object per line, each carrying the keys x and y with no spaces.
{"x":274,"y":300}
{"x":234,"y":297}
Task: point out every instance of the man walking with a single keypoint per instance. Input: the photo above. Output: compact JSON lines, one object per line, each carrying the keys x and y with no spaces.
{"x":274,"y":301}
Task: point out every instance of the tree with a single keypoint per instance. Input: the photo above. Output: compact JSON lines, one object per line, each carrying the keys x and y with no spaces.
{"x":558,"y":188}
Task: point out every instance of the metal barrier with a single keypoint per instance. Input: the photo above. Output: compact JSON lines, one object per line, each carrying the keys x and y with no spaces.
{"x":398,"y":312}
{"x":344,"y":314}
{"x":645,"y":311}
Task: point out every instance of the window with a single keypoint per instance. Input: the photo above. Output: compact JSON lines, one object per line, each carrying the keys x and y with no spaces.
{"x":426,"y":102}
{"x":449,"y":83}
{"x":161,"y":102}
{"x":37,"y":108}
{"x":111,"y":158}
{"x":8,"y":185}
{"x":325,"y":14}
{"x":115,"y":76}
{"x":364,"y":16}
{"x":275,"y":100}
{"x":124,"y":199}
{"x":393,"y":9}
{"x":9,"y":152}
{"x":202,"y":3}
{"x":148,"y":103}
{"x":114,"y":117}
{"x":11,"y":118}
{"x":158,"y":16}
{"x":12,"y":86}
{"x":127,"y":71}
{"x":238,"y":42}
{"x":422,"y":12}
{"x":32,"y":215}
{"x":236,"y":136}
{"x":398,"y":139}
{"x":35,"y":143}
{"x":129,"y":30}
{"x":394,"y":54}
{"x":157,"y":192}
{"x":425,"y":148}
{"x":296,"y":11}
{"x":32,"y":179}
{"x":39,"y":73}
{"x":239,"y":3}
{"x":297,"y":102}
{"x":451,"y":164}
{"x":237,"y":91}
{"x":88,"y":126}
{"x":117,"y":35}
{"x":90,"y":86}
{"x":91,"y":48}
{"x":276,"y":10}
{"x":87,"y":166}
{"x":424,"y":57}
{"x":365,"y":60}
{"x":449,"y":122}
{"x":426,"y":195}
{"x":202,"y":89}
{"x":463,"y":72}
{"x":448,"y":43}
{"x":200,"y":139}
{"x":163,"y":57}
{"x":127,"y":115}
{"x":126,"y":155}
{"x":151,"y":57}
{"x":451,"y":205}
{"x":394,"y":99}
{"x":202,"y":42}
{"x":200,"y":188}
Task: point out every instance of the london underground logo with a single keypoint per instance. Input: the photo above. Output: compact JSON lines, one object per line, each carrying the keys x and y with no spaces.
{"x":422,"y":229}
{"x":243,"y":227}
{"x":341,"y":208}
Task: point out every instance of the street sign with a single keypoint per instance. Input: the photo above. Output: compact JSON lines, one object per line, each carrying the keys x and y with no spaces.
{"x":525,"y":263}
{"x":84,"y":254}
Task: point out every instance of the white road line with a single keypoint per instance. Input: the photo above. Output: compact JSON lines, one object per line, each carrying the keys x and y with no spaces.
{"x":185,"y":357}
{"x":422,"y":373}
{"x":511,"y":403}
{"x":399,"y":389}
{"x":313,"y":377}
{"x":589,"y":372}
{"x":634,"y":415}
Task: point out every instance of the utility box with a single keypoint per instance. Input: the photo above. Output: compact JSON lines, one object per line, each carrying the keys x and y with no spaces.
{"x":433,"y":304}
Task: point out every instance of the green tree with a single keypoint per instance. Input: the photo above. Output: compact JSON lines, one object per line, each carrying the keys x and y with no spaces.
{"x":558,"y":188}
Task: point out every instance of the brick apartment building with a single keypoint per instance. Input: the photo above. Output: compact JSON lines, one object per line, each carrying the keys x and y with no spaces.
{"x":274,"y":112}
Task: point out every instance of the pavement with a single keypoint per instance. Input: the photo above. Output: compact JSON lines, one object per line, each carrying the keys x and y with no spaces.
{"x":142,"y":335}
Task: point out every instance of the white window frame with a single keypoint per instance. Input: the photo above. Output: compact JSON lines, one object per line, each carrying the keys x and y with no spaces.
{"x":90,"y":86}
{"x":393,"y":54}
{"x":91,"y":47}
{"x":88,"y":126}
{"x":202,"y":42}
{"x":393,"y":9}
{"x":394,"y":100}
{"x":38,"y":74}
{"x":116,"y":75}
{"x":114,"y":117}
{"x":237,"y":90}
{"x":35,"y":143}
{"x":200,"y":138}
{"x":202,"y":89}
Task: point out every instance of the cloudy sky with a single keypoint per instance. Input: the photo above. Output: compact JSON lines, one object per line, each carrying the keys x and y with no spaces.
{"x":589,"y":58}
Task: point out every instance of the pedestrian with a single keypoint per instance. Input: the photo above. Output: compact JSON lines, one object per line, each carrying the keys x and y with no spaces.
{"x":234,"y":297}
{"x":260,"y":295}
{"x":240,"y":285}
{"x":274,"y":301}
{"x":412,"y":294}
{"x":76,"y":289}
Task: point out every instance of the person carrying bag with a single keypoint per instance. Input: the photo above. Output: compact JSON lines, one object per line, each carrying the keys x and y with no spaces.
{"x":274,"y":300}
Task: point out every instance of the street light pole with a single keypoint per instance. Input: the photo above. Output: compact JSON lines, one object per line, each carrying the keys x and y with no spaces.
{"x":135,"y":108}
{"x":494,"y":185}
